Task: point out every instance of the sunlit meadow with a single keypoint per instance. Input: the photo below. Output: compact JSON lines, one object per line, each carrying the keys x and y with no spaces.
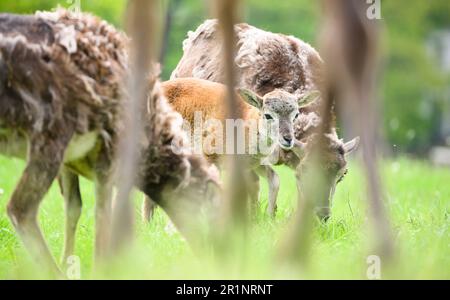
{"x":417,"y":197}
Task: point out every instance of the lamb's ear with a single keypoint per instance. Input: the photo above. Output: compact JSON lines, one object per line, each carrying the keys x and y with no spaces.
{"x":308,"y":98}
{"x":351,"y":146}
{"x":251,"y":98}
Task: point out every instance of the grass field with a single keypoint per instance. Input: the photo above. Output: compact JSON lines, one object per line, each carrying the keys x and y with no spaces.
{"x":417,"y":197}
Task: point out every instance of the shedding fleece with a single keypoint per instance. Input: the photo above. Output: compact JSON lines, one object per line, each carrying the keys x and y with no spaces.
{"x":61,"y":67}
{"x":62,"y":80}
{"x":266,"y":60}
{"x":163,"y":165}
{"x":61,"y":70}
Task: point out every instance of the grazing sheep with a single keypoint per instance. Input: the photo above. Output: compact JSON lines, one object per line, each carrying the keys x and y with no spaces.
{"x":191,"y":96}
{"x":334,"y":160}
{"x":62,"y":80}
{"x":265,"y":61}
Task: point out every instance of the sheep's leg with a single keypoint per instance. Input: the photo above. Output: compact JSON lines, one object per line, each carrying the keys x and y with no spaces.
{"x":103,"y":202}
{"x":70,"y":189}
{"x":253,"y":191}
{"x":274,"y":187}
{"x":148,"y":208}
{"x":44,"y":160}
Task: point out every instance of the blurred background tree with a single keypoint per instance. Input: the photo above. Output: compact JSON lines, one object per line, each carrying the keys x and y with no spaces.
{"x":415,"y":88}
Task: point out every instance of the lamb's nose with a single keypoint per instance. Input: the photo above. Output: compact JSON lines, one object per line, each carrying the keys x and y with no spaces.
{"x":288,"y":139}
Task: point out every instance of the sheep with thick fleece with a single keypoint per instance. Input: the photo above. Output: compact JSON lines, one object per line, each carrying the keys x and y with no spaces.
{"x":265,"y":61}
{"x":268,"y":121}
{"x":62,"y":94}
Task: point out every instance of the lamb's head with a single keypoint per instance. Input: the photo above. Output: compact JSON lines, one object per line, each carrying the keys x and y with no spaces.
{"x":332,"y":163}
{"x":279,"y":109}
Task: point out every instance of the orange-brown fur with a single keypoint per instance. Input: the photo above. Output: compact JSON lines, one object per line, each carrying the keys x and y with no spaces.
{"x":264,"y":62}
{"x":188,"y":95}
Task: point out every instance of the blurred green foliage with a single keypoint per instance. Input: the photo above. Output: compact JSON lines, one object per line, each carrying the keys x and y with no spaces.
{"x":413,"y":86}
{"x":110,"y":10}
{"x":414,"y":91}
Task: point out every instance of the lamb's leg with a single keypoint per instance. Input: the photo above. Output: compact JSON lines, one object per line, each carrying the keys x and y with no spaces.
{"x":44,"y":160}
{"x":70,"y":189}
{"x":274,"y":187}
{"x":148,"y":208}
{"x":253,"y":191}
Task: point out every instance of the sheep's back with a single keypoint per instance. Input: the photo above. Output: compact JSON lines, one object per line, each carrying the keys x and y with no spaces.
{"x":34,"y":29}
{"x":265,"y":61}
{"x":190,"y":95}
{"x":61,"y":69}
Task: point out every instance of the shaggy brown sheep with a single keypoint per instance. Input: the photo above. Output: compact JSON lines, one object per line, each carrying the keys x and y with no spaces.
{"x":62,"y":78}
{"x":265,"y":62}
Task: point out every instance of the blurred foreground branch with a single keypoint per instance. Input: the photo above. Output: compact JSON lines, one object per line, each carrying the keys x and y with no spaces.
{"x":235,"y":210}
{"x":353,"y":69}
{"x":142,"y":24}
{"x":349,"y":44}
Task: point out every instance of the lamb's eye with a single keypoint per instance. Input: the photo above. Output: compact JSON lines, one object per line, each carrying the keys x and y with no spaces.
{"x":268,"y":117}
{"x":296,"y":115}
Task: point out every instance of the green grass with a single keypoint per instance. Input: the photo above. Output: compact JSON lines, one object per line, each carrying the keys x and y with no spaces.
{"x":417,"y":197}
